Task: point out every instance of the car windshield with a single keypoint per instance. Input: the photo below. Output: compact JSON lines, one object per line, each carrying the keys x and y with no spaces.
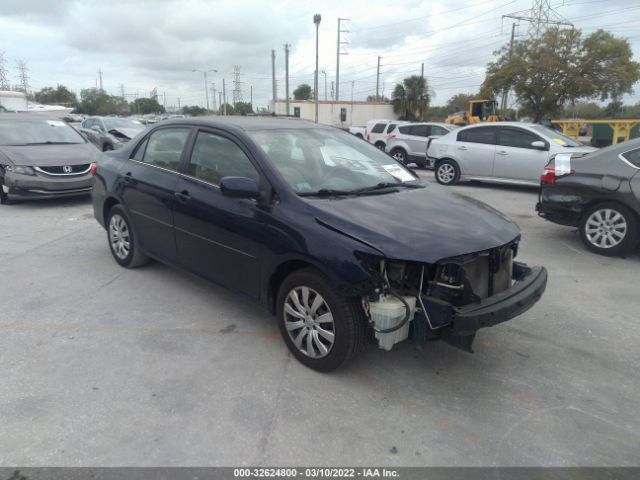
{"x":37,"y":132}
{"x":556,"y":137}
{"x":112,"y":123}
{"x":319,"y":160}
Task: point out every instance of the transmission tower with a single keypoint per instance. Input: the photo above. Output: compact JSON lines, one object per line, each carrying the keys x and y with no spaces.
{"x":237,"y":91}
{"x":23,"y":76}
{"x":4,"y":82}
{"x":539,"y":17}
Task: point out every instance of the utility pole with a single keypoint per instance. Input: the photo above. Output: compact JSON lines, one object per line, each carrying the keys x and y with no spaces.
{"x":286,"y":76}
{"x":378,"y":80}
{"x":23,"y":76}
{"x":352,"y":84}
{"x":220,"y":99}
{"x":237,"y":87}
{"x":422,"y":70}
{"x":213,"y":91}
{"x":122,"y":90}
{"x":332,"y":90}
{"x":505,"y":92}
{"x":273,"y":78}
{"x":316,"y":20}
{"x":251,"y":97}
{"x":179,"y":107}
{"x":164,"y":99}
{"x":338,"y":53}
{"x":100,"y":77}
{"x":539,"y":16}
{"x":224,"y":98}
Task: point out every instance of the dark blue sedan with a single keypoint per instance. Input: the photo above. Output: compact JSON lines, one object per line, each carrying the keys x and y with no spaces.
{"x":330,"y":234}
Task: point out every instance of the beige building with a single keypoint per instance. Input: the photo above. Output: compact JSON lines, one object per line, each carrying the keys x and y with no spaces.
{"x":340,"y":114}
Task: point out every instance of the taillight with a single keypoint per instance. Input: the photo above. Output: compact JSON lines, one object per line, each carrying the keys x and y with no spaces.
{"x":93,"y":168}
{"x":390,"y":136}
{"x":549,"y":175}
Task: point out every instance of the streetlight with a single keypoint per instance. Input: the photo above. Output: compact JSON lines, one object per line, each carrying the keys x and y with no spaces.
{"x":316,"y":21}
{"x":206,"y":84}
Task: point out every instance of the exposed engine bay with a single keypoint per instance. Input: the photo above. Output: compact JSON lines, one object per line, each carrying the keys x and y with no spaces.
{"x":428,"y":301}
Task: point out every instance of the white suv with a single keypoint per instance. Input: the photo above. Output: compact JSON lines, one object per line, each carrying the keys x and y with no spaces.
{"x":408,"y":143}
{"x":377,"y":131}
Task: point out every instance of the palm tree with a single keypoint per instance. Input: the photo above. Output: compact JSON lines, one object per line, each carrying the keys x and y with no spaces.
{"x":411,"y":98}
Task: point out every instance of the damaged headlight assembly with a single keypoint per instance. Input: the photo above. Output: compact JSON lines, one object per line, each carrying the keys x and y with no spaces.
{"x":20,"y":169}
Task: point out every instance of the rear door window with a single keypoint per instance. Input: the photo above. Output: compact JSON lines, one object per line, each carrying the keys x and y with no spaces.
{"x":378,"y":128}
{"x":633,"y":157}
{"x":514,"y":137}
{"x":478,"y":135}
{"x":420,"y":130}
{"x":164,"y":147}
{"x":405,"y":130}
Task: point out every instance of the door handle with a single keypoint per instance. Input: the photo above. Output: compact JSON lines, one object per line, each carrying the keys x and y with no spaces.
{"x":462,"y":148}
{"x":183,"y":196}
{"x":128,"y":178}
{"x":502,"y":152}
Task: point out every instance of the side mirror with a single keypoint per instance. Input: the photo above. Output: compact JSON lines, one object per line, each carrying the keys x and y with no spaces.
{"x":539,"y":145}
{"x":239,"y":187}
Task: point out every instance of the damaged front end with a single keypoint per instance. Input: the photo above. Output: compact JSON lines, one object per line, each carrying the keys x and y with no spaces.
{"x":451,"y":299}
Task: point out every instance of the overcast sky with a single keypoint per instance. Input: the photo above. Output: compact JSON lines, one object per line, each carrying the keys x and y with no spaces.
{"x":144,"y":44}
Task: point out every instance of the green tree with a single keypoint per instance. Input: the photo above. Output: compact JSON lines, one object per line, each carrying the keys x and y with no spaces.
{"x":243,"y":108}
{"x":146,"y":105}
{"x":459,"y":102}
{"x":302,"y":92}
{"x":60,"y":95}
{"x":411,"y":98}
{"x":230,"y":109}
{"x":97,"y":102}
{"x":561,"y":67}
{"x":437,"y":114}
{"x":194,"y":110}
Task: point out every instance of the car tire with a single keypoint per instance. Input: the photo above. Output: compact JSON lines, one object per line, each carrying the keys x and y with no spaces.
{"x":609,"y":228}
{"x":359,"y":135}
{"x":327,"y":344}
{"x":399,"y":154}
{"x":122,"y":240}
{"x":447,"y":172}
{"x":380,"y":145}
{"x":107,"y":147}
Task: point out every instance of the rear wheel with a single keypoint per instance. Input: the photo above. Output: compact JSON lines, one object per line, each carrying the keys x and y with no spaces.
{"x":447,"y":172}
{"x":380,"y":145}
{"x":322,"y":328}
{"x":122,"y":241}
{"x":399,"y":154}
{"x":609,"y":229}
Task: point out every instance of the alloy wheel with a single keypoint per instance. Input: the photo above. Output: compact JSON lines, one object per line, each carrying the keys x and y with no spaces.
{"x":605,"y":228}
{"x":119,"y":236}
{"x":309,"y":322}
{"x":399,"y":156}
{"x":446,"y":173}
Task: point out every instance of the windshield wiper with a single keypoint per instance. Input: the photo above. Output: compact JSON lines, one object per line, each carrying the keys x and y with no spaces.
{"x":52,"y":143}
{"x":326,"y":192}
{"x":372,"y":190}
{"x":384,"y":185}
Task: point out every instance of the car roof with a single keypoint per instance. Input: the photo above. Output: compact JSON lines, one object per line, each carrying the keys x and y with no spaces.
{"x":247,"y":123}
{"x":29,"y":117}
{"x":502,"y":124}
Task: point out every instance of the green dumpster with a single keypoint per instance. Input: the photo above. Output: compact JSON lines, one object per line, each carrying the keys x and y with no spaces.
{"x":603,"y":135}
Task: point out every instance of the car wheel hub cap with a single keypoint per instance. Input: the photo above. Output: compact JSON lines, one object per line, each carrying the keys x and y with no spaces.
{"x":119,"y":236}
{"x":309,"y":322}
{"x":446,"y":173}
{"x":606,"y":228}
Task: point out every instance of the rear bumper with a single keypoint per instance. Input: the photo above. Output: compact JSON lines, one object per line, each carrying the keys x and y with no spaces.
{"x":530,"y":283}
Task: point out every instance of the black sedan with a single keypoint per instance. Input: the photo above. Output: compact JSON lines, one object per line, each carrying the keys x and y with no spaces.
{"x":42,"y":157}
{"x":599,"y":193}
{"x":320,"y":228}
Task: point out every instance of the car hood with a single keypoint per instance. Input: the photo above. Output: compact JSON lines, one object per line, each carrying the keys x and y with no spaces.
{"x":127,"y":132}
{"x":51,"y":155}
{"x":421,"y":225}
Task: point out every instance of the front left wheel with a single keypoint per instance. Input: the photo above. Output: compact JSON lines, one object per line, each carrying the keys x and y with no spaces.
{"x":122,"y":241}
{"x":322,"y":328}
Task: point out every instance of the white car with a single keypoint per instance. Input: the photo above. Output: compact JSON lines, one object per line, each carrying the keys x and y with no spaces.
{"x":408,"y":143}
{"x":377,"y":130}
{"x":509,"y":152}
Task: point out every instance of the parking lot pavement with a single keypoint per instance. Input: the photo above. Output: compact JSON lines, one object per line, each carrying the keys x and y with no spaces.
{"x":104,"y":366}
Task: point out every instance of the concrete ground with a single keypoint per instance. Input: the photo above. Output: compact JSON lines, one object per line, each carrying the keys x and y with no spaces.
{"x":102,"y":366}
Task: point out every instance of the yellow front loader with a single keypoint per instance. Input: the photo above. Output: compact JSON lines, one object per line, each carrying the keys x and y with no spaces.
{"x":478,"y":111}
